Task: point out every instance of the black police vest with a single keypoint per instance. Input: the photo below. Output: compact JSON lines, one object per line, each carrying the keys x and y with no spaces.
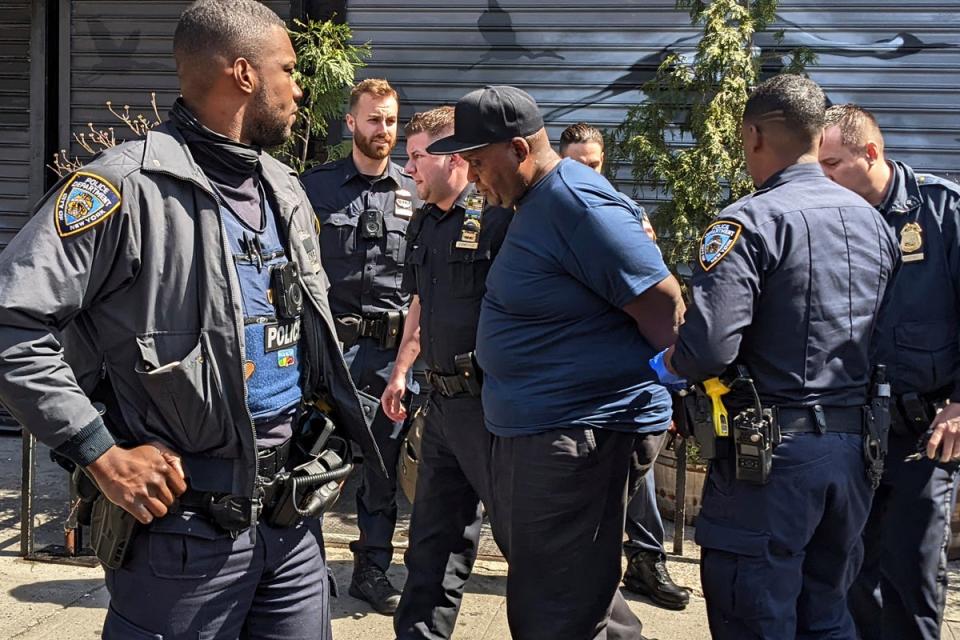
{"x":272,"y":366}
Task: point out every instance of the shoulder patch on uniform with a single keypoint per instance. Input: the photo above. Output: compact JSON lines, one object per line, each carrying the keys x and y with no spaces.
{"x":717,"y":241}
{"x":85,"y":200}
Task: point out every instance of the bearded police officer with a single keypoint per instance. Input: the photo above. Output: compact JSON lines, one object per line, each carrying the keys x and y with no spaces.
{"x":364,"y":203}
{"x":453,"y":240}
{"x":901,"y":589}
{"x":788,"y":284}
{"x":646,"y":572}
{"x":190,"y":259}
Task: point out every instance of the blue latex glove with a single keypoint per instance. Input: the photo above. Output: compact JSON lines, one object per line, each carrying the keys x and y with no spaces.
{"x":671,"y":381}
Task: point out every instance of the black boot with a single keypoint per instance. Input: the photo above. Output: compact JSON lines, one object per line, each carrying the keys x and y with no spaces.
{"x":370,"y":583}
{"x":647,"y":575}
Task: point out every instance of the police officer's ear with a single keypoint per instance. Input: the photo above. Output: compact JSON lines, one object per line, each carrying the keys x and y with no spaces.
{"x":245,"y":75}
{"x":872,"y":151}
{"x":350,"y":120}
{"x":456,"y":161}
{"x":752,"y":138}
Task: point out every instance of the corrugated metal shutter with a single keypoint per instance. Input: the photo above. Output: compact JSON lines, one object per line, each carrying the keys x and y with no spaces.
{"x":586,"y":60}
{"x":15,"y":196}
{"x":901,"y":60}
{"x":122,"y":51}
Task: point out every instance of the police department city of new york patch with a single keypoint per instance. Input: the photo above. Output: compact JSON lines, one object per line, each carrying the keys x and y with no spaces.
{"x":717,"y":241}
{"x":86,"y":200}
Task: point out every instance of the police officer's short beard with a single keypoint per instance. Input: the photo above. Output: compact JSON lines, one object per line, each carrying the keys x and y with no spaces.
{"x":368,"y":148}
{"x":269,"y":126}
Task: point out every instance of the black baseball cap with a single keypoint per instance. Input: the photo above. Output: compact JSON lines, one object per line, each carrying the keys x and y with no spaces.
{"x":489,"y":115}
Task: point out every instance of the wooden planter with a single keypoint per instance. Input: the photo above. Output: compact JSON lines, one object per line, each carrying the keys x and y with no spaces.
{"x":665,"y":477}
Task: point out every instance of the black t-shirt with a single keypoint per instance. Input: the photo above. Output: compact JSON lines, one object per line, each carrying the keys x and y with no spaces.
{"x":450,"y":281}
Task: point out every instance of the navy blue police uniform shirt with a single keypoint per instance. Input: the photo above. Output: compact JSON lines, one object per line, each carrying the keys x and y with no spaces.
{"x":450,"y":280}
{"x":555,"y":345}
{"x":365,"y":274}
{"x":789,"y":281}
{"x":919,"y":337}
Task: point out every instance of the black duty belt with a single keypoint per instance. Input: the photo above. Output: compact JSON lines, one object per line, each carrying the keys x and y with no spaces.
{"x":448,"y":385}
{"x":235,"y":513}
{"x":386,"y":327}
{"x":820,"y":419}
{"x":912,"y":413}
{"x":271,"y":461}
{"x":466,"y":381}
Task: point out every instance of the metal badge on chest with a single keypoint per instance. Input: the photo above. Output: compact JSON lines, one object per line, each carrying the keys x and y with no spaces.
{"x":470,"y":230}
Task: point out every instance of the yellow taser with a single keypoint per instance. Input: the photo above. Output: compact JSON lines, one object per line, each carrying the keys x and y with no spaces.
{"x":716,"y":389}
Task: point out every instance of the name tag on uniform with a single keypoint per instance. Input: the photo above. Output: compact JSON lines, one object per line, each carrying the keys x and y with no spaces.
{"x":470,"y":230}
{"x":402,"y":203}
{"x":280,"y":336}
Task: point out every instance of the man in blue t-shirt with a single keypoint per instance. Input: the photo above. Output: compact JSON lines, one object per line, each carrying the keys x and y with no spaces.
{"x":646,"y":572}
{"x":576,"y":301}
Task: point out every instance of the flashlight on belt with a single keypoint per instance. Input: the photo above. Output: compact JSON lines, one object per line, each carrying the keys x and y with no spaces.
{"x":716,"y":389}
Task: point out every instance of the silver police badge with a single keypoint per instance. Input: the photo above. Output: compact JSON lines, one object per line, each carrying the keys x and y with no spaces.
{"x":402,"y":203}
{"x":717,"y":241}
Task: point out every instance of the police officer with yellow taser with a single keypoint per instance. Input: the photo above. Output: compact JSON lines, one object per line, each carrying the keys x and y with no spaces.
{"x":789,"y":284}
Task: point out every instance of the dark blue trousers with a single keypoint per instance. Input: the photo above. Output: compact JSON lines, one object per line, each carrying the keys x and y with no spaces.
{"x":452,"y":478}
{"x":186,"y":580}
{"x":901,"y":590}
{"x":644,"y":526}
{"x":777,"y":559}
{"x":370,"y":368}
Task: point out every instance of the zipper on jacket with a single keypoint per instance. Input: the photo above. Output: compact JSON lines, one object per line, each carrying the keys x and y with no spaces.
{"x":231,"y":276}
{"x":238,"y":323}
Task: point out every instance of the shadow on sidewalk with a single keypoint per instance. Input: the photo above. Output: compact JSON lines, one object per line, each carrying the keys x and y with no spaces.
{"x":346,"y":606}
{"x":54,"y":590}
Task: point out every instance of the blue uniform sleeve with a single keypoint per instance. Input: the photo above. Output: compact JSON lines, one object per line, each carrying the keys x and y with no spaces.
{"x":610,"y":253}
{"x":724,"y":293}
{"x":951,"y":232}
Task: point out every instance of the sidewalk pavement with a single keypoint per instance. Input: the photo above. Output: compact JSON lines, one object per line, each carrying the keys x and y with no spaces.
{"x":44,"y":601}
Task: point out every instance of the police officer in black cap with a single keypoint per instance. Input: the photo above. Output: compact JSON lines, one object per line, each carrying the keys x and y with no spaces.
{"x":453,"y":240}
{"x":364,"y":203}
{"x":788,"y":284}
{"x":901,"y":589}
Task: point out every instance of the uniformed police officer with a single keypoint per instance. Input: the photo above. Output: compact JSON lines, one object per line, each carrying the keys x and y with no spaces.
{"x":788,"y":284}
{"x":364,"y":203}
{"x":902,"y":585}
{"x":646,"y":572}
{"x":452,"y":240}
{"x":168,"y":253}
